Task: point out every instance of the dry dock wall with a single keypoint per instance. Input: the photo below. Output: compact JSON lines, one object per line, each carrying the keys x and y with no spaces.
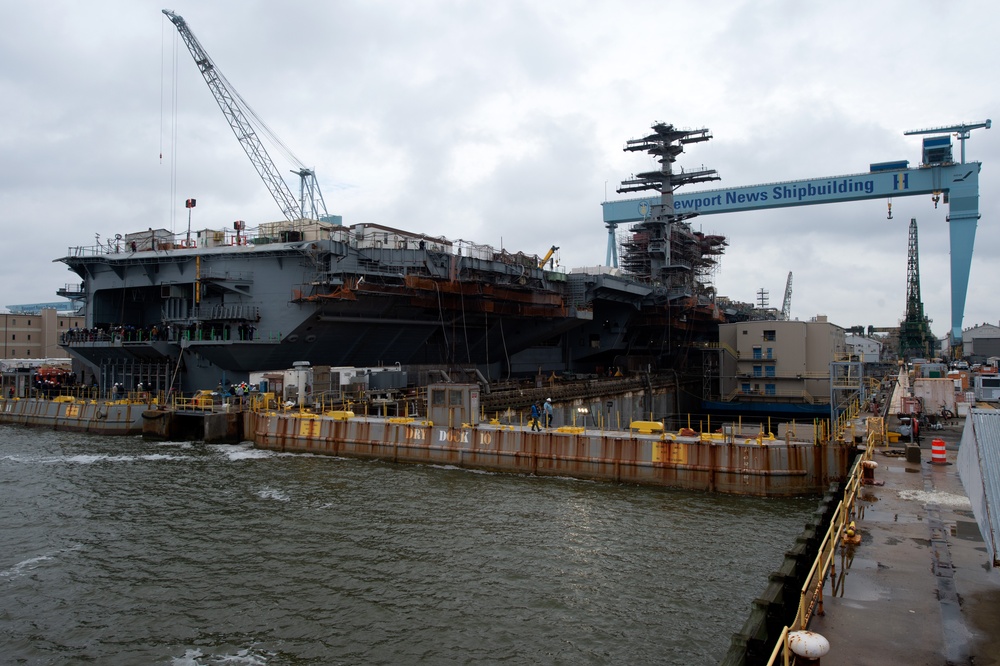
{"x":95,"y":417}
{"x":773,"y":468}
{"x":776,"y":608}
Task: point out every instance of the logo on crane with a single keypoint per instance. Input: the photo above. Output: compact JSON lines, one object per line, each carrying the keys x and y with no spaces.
{"x":901,"y":181}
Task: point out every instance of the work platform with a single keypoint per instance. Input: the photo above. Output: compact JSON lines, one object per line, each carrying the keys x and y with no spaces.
{"x":919,"y":588}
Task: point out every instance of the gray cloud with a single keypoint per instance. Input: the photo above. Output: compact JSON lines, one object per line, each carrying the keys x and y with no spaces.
{"x":503,"y":121}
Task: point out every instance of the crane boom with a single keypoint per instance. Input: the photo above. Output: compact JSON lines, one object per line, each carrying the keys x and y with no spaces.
{"x":232,"y":108}
{"x":786,"y":305}
{"x":548,"y":255}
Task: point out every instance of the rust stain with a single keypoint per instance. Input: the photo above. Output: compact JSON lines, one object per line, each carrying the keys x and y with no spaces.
{"x":778,"y":468}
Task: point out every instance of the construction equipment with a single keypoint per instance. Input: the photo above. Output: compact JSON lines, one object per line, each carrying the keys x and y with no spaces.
{"x":915,"y":337}
{"x":961,"y":131}
{"x":786,"y":305}
{"x":243,"y":122}
{"x":957,"y":185}
{"x":548,"y":255}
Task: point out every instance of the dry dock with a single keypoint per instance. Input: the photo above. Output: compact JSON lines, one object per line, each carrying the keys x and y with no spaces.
{"x":919,"y":589}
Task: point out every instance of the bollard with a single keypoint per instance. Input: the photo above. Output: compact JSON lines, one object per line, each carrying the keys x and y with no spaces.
{"x":808,"y":646}
{"x":868,"y":472}
{"x":938,"y":455}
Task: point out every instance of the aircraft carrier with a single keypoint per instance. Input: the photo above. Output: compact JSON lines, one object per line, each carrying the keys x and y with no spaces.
{"x":187,"y":313}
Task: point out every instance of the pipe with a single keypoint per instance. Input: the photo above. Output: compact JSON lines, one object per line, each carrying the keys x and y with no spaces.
{"x":483,"y":381}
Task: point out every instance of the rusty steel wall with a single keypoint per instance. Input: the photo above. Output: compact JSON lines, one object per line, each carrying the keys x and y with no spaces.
{"x":776,"y":468}
{"x":91,"y":417}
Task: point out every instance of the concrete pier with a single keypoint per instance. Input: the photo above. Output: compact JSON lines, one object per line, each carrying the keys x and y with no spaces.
{"x":919,"y":589}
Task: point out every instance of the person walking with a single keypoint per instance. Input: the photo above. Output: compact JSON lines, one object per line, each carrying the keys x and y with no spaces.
{"x":535,"y":416}
{"x":548,"y":412}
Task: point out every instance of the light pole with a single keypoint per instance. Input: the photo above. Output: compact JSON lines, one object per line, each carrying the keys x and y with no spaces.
{"x":189,"y":204}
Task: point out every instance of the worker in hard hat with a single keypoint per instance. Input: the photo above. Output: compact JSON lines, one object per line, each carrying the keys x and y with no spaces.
{"x":548,"y":412}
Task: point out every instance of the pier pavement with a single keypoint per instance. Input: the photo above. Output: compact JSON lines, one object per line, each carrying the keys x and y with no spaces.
{"x":919,"y":589}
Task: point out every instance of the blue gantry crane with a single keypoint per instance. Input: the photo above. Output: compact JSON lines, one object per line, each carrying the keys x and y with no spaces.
{"x":938,"y":175}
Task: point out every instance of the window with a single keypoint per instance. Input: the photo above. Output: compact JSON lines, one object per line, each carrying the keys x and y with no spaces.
{"x":769,"y":371}
{"x":744,"y":332}
{"x":438,"y":397}
{"x":61,"y":324}
{"x":29,"y":336}
{"x":745,"y":388}
{"x":770,"y":352}
{"x":13,"y":336}
{"x":758,"y":371}
{"x":769,"y":389}
{"x":769,"y":335}
{"x":757,"y":352}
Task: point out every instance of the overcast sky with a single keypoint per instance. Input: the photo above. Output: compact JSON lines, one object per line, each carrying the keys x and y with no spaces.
{"x":503,"y":122}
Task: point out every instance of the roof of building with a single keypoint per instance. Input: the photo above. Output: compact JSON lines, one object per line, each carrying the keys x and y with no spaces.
{"x":981,"y":331}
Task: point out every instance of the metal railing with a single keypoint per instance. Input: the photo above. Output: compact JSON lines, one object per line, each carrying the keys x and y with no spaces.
{"x":811,"y":593}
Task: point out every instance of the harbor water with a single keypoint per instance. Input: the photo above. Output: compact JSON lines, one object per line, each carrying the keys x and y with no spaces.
{"x":122,"y":551}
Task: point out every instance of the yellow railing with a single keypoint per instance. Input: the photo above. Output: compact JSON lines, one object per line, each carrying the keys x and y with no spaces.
{"x":194,"y":404}
{"x":723,"y":346}
{"x":845,"y":421}
{"x":811,"y":594}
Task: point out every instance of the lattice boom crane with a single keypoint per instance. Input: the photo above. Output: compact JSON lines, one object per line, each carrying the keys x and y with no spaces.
{"x":235,"y":108}
{"x":786,"y":305}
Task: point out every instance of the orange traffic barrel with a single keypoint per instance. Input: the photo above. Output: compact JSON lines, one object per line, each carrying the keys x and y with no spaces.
{"x":938,"y":456}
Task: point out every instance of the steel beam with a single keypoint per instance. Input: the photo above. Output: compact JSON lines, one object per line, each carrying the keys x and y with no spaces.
{"x":960,"y":182}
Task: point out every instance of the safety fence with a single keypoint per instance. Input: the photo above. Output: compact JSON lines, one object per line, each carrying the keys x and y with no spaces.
{"x":795,"y":592}
{"x":811,"y":594}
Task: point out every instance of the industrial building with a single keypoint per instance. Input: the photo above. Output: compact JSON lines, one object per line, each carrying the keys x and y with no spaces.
{"x":867,"y":350}
{"x":981,"y":342}
{"x":36,"y":335}
{"x":779,"y":365}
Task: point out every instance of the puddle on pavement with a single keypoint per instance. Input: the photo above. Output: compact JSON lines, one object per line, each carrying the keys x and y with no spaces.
{"x":858,"y":585}
{"x":876,"y":516}
{"x":966,"y":530}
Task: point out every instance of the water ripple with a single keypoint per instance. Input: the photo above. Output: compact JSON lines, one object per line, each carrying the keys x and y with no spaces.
{"x":194,"y":555}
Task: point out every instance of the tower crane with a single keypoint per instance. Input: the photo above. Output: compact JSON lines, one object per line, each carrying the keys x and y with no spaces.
{"x":786,"y":305}
{"x":915,"y":337}
{"x":238,"y":113}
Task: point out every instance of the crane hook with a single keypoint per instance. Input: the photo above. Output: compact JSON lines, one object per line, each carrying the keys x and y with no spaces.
{"x":889,"y":216}
{"x":935,"y":198}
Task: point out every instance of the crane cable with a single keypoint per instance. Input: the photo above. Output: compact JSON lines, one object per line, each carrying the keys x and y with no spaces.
{"x":257,"y":122}
{"x":172,"y":141}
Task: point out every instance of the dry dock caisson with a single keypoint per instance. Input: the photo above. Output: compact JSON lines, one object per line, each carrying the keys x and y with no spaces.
{"x":66,"y":413}
{"x":728,"y":462}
